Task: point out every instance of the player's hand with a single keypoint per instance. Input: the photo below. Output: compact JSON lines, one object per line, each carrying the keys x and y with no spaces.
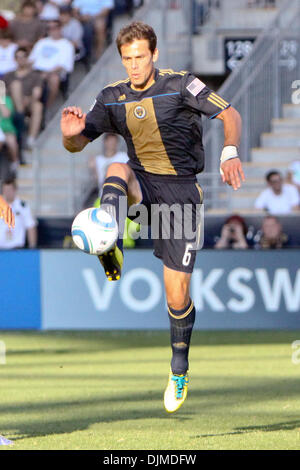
{"x":72,"y":121}
{"x":6,"y":213}
{"x":232,"y":172}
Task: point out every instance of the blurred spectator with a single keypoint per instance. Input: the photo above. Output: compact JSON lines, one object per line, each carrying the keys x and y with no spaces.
{"x":25,"y":87}
{"x":98,"y":165}
{"x":49,"y":9}
{"x":233,"y":234}
{"x":93,"y":15}
{"x":3,"y":22}
{"x":279,"y":198}
{"x":293,"y":175}
{"x":271,"y":234}
{"x":54,"y":57}
{"x":24,"y":222}
{"x":72,"y":30}
{"x":7,"y":52}
{"x":7,"y":126}
{"x":2,"y":139}
{"x":27,"y":28}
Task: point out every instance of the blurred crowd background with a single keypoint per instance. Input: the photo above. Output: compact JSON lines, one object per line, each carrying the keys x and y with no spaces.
{"x":46,"y":49}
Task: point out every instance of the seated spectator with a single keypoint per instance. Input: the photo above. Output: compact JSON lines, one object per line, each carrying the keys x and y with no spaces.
{"x":233,"y":234}
{"x":27,"y":28}
{"x":49,"y":9}
{"x":7,"y":52}
{"x":72,"y":30}
{"x":24,"y":222}
{"x":279,"y":198}
{"x":7,"y":126}
{"x":25,"y":87}
{"x":272,"y":235}
{"x":293,"y":175}
{"x":98,"y":165}
{"x":54,"y":57}
{"x":94,"y":16}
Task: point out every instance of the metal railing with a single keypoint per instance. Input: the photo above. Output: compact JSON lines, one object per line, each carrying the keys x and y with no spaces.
{"x":61,"y":180}
{"x":258,"y":88}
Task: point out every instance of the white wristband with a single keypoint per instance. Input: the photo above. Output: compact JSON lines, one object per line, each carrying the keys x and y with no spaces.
{"x":228,"y":152}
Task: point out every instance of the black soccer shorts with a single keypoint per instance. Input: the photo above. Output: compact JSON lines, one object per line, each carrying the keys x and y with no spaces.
{"x":174,"y":209}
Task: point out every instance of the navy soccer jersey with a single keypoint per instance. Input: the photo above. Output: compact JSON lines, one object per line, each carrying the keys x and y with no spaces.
{"x":161,"y":125}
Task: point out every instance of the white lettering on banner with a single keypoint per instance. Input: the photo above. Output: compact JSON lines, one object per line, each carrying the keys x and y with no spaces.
{"x":247,"y":294}
{"x":101,"y":299}
{"x":282,"y":286}
{"x":126,"y":290}
{"x":203,"y":289}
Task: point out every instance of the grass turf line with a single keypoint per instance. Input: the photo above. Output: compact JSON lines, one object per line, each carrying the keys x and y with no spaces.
{"x":104,"y":390}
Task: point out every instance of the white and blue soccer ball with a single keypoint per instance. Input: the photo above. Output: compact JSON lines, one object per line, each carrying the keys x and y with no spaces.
{"x":94,"y":231}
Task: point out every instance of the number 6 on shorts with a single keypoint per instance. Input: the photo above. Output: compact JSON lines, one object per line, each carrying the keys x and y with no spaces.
{"x":187,"y":255}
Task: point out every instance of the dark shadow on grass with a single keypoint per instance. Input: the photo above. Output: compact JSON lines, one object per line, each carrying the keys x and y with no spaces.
{"x":120,"y":339}
{"x":96,"y":415}
{"x":70,"y":415}
{"x":283,"y":426}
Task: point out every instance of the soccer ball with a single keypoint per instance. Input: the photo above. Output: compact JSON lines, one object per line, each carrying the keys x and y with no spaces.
{"x":94,"y":231}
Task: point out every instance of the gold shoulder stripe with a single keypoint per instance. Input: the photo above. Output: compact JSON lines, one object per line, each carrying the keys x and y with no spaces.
{"x":166,"y":70}
{"x":171,"y":72}
{"x":218,"y":98}
{"x":216,"y":103}
{"x":117,"y":83}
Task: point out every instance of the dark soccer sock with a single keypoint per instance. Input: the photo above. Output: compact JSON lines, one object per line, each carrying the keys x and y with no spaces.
{"x":181,"y":326}
{"x":114,"y":188}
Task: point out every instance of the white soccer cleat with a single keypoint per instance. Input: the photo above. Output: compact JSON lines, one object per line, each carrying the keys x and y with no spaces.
{"x":176,"y":392}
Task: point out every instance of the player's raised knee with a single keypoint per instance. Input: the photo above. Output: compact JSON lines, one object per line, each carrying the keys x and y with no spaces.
{"x":122,"y":170}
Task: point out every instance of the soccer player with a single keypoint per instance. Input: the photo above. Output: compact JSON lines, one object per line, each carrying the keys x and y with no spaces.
{"x":158,"y":112}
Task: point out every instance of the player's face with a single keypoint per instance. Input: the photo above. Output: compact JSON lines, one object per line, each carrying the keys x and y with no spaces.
{"x":9,"y":192}
{"x":139,"y":61}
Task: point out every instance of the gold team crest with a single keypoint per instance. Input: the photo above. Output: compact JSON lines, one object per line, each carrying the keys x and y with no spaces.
{"x":139,"y":112}
{"x":122,"y":98}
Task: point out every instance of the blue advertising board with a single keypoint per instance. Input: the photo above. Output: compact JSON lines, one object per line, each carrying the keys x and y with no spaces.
{"x":20,"y":305}
{"x":67,"y":289}
{"x":230,"y":289}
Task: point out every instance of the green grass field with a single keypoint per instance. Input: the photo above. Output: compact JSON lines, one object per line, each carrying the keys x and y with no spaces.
{"x":104,"y":390}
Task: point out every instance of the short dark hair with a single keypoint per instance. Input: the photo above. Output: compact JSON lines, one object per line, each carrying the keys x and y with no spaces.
{"x":22,"y":49}
{"x":136,"y":30}
{"x":6,"y":34}
{"x":10,"y":180}
{"x":28,"y":3}
{"x":272,"y":173}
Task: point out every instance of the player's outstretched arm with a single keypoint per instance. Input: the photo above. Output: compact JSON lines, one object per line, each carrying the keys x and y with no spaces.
{"x":231,"y":167}
{"x":6,"y":213}
{"x":72,"y":124}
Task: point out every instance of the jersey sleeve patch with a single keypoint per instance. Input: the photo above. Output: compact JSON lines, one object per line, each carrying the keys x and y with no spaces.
{"x":195,"y":87}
